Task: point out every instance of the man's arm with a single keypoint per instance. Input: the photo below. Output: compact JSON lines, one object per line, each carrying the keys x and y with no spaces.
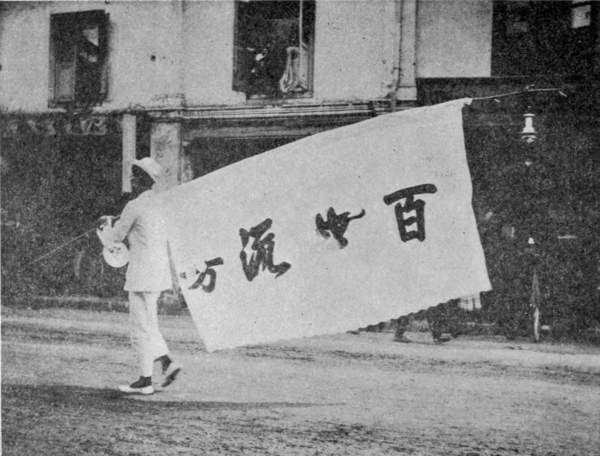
{"x":119,"y":231}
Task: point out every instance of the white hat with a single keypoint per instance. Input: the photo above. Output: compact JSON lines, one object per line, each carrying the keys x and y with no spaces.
{"x":151,"y":166}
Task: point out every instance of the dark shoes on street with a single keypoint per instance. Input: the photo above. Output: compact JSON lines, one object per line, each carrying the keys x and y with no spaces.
{"x":440,"y":339}
{"x":170,"y":369}
{"x":402,"y":338}
{"x":143,"y":385}
{"x":437,"y":338}
{"x":170,"y":373}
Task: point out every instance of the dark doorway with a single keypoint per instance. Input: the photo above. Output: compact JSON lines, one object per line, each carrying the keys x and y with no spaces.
{"x":205,"y":155}
{"x":544,"y":38}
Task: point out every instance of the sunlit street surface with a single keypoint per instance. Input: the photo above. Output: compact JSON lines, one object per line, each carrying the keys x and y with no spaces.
{"x":342,"y":394}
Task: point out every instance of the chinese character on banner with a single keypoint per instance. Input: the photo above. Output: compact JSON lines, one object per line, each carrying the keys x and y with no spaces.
{"x":262,"y":257}
{"x":410,"y":205}
{"x":337,"y":224}
{"x":208,"y":271}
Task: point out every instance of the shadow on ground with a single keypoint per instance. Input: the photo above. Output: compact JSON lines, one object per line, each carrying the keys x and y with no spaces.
{"x":76,"y":397}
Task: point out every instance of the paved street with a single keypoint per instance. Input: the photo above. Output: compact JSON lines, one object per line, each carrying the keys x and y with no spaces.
{"x":342,"y":394}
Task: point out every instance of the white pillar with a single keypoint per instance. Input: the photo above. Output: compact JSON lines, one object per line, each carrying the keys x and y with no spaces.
{"x":128,"y":128}
{"x":165,"y":148}
{"x":407,"y":87}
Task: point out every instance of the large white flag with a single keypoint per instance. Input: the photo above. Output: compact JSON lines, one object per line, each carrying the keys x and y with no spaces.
{"x":345,"y":228}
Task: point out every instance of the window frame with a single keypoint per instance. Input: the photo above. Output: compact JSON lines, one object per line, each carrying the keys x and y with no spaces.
{"x":239,"y":85}
{"x":73,"y":23}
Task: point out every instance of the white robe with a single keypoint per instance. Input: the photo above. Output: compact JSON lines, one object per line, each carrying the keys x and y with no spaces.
{"x":142,"y":223}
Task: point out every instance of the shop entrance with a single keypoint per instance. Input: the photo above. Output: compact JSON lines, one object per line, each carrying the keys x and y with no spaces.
{"x":53,"y":190}
{"x":204,"y":155}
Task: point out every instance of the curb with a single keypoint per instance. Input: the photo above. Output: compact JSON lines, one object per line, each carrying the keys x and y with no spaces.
{"x":167,"y":304}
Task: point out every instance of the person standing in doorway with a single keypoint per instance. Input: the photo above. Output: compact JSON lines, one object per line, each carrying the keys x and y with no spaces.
{"x":142,"y":223}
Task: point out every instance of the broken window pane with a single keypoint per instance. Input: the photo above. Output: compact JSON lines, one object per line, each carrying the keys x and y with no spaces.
{"x":274,"y":48}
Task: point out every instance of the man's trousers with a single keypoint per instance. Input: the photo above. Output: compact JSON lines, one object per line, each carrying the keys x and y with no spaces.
{"x":146,"y":338}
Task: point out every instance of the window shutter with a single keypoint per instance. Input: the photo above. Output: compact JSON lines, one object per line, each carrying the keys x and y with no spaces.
{"x":63,"y":61}
{"x":239,"y":82}
{"x":239,"y":50}
{"x":103,"y":40}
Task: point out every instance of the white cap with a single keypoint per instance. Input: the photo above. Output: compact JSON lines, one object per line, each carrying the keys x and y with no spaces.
{"x":151,"y":166}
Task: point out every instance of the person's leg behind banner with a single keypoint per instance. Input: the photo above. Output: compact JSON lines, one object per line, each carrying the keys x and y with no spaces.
{"x":401,"y":327}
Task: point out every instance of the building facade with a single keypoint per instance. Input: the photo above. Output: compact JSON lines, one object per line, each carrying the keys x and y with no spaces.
{"x":214,"y":71}
{"x":86,"y":87}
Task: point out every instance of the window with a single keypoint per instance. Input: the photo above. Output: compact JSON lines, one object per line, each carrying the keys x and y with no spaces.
{"x":274,"y":46}
{"x":78,"y":51}
{"x":543,"y":38}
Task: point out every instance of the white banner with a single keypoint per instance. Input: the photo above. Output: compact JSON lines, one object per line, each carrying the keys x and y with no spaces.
{"x":333,"y":232}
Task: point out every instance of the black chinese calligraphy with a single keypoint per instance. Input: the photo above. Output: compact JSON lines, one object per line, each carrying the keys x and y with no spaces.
{"x":410,"y":205}
{"x":337,"y":224}
{"x":262,"y":255}
{"x":202,"y":275}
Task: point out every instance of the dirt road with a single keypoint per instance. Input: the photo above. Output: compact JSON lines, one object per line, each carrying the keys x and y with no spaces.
{"x":344,"y":394}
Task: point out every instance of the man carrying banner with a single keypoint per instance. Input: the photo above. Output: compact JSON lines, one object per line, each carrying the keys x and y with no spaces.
{"x":148,"y":272}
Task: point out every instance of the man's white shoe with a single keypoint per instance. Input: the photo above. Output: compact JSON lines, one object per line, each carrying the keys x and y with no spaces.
{"x":144,"y":390}
{"x":170,"y":374}
{"x":140,"y":386}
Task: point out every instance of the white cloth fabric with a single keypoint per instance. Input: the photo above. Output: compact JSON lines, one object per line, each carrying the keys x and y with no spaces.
{"x":142,"y":223}
{"x":260,"y":255}
{"x":146,"y":338}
